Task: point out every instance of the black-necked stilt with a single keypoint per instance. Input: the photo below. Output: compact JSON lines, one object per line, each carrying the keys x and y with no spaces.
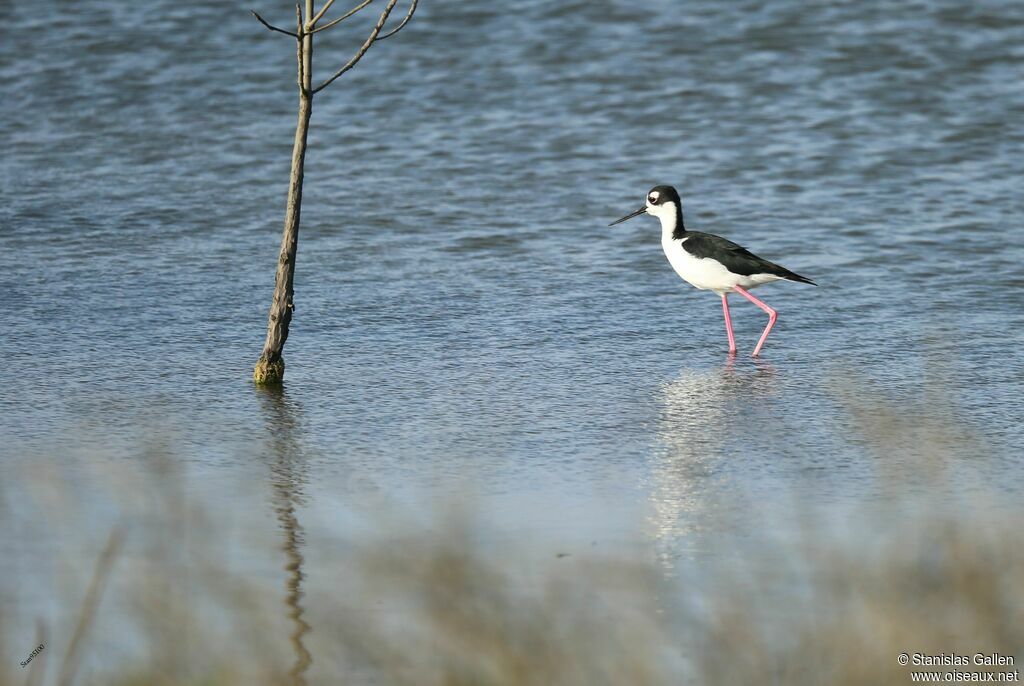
{"x":710,"y":262}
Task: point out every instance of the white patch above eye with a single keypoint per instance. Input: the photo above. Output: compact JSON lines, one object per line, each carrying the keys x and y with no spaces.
{"x":652,"y":198}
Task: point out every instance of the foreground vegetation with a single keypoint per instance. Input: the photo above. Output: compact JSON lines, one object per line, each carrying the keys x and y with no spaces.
{"x":832,"y":601}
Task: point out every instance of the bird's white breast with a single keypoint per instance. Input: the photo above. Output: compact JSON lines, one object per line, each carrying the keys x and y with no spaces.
{"x":700,"y":272}
{"x":703,"y":273}
{"x":706,"y":273}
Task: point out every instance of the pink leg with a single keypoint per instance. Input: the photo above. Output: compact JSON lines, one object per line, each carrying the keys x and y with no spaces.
{"x":772,"y":316}
{"x":728,"y":324}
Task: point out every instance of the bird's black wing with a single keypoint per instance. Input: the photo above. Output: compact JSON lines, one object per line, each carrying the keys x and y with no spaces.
{"x":735,"y":258}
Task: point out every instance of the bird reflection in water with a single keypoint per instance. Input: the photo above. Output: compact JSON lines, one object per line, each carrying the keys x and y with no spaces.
{"x":289,"y":474}
{"x":701,"y":414}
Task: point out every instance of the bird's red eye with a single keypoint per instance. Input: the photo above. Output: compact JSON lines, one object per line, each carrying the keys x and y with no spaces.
{"x":652,"y":199}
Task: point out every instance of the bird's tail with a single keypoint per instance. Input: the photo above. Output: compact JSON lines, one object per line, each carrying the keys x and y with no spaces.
{"x":793,"y":276}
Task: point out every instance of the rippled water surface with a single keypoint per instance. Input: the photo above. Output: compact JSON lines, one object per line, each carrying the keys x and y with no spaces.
{"x":466,"y":322}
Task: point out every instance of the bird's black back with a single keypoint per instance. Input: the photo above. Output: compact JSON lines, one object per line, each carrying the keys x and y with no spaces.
{"x":734,"y":257}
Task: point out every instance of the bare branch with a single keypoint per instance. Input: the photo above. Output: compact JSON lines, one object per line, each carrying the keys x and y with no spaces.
{"x":362,"y":50}
{"x":408,"y":16}
{"x":312,"y":22}
{"x":273,"y":28}
{"x":299,"y":45}
{"x":342,"y":17}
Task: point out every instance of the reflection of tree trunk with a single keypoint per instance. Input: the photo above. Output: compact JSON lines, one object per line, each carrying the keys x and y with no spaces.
{"x":288,"y":476}
{"x":292,"y":543}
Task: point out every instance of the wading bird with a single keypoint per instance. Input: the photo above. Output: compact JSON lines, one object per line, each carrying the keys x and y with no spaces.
{"x":712,"y":263}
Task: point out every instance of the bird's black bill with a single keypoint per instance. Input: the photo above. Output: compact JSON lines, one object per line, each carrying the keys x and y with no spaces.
{"x":629,"y":216}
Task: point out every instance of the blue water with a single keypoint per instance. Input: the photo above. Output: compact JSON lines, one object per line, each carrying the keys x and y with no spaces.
{"x":465,"y":321}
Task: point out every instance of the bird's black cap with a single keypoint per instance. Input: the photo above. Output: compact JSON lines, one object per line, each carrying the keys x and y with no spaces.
{"x":659,"y":195}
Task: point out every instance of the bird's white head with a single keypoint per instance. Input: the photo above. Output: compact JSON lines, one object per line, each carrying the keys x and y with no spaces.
{"x":662,"y":202}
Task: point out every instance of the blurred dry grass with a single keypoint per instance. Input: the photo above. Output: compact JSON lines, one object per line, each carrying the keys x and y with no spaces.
{"x":833,"y":605}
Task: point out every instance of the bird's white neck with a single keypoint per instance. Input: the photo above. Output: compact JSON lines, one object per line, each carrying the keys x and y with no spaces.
{"x":669,"y":215}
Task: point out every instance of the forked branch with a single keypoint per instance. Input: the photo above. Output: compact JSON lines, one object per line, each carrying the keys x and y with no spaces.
{"x":342,"y":17}
{"x":408,"y":16}
{"x":323,"y":10}
{"x":363,"y":49}
{"x":272,"y":27}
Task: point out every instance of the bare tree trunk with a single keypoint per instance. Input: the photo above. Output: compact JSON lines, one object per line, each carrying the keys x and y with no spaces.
{"x":270,"y":365}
